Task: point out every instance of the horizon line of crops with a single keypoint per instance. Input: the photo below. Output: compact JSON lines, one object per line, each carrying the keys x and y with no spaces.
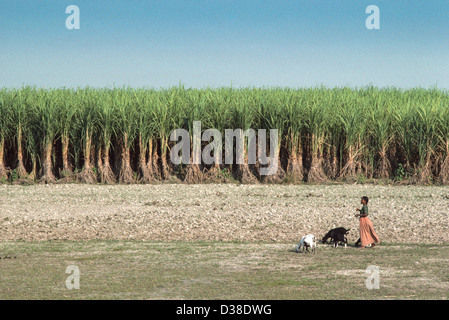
{"x":122,"y":135}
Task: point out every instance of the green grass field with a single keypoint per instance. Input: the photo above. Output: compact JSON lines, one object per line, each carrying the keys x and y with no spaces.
{"x":219,"y":270}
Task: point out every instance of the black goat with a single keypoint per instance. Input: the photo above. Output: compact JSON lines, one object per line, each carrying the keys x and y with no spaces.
{"x":337,"y":235}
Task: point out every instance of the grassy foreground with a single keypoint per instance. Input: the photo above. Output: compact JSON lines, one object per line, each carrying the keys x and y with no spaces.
{"x":219,"y":270}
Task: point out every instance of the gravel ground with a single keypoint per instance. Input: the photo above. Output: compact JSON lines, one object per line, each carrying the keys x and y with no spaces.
{"x":228,"y":212}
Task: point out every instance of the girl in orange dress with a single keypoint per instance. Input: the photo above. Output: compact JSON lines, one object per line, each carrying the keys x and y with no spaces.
{"x":368,"y":237}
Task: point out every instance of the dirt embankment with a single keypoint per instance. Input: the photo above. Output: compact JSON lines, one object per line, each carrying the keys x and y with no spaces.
{"x":227,"y":212}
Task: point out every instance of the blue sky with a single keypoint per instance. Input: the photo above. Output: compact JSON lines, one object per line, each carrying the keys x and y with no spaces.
{"x":221,"y":43}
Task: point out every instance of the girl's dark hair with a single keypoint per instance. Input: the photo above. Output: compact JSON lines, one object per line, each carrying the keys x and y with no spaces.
{"x":365,"y":198}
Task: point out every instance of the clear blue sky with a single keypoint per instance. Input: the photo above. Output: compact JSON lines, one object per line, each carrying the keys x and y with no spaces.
{"x":221,"y":43}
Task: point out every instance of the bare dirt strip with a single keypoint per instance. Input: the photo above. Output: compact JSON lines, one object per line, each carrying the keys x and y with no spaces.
{"x":227,"y":212}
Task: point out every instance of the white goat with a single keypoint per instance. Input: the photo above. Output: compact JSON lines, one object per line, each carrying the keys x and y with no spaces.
{"x":307,"y":242}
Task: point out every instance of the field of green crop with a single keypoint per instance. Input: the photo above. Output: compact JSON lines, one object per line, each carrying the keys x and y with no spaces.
{"x":122,"y":134}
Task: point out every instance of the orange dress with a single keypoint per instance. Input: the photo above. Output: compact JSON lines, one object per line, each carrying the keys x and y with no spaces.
{"x":367,"y":234}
